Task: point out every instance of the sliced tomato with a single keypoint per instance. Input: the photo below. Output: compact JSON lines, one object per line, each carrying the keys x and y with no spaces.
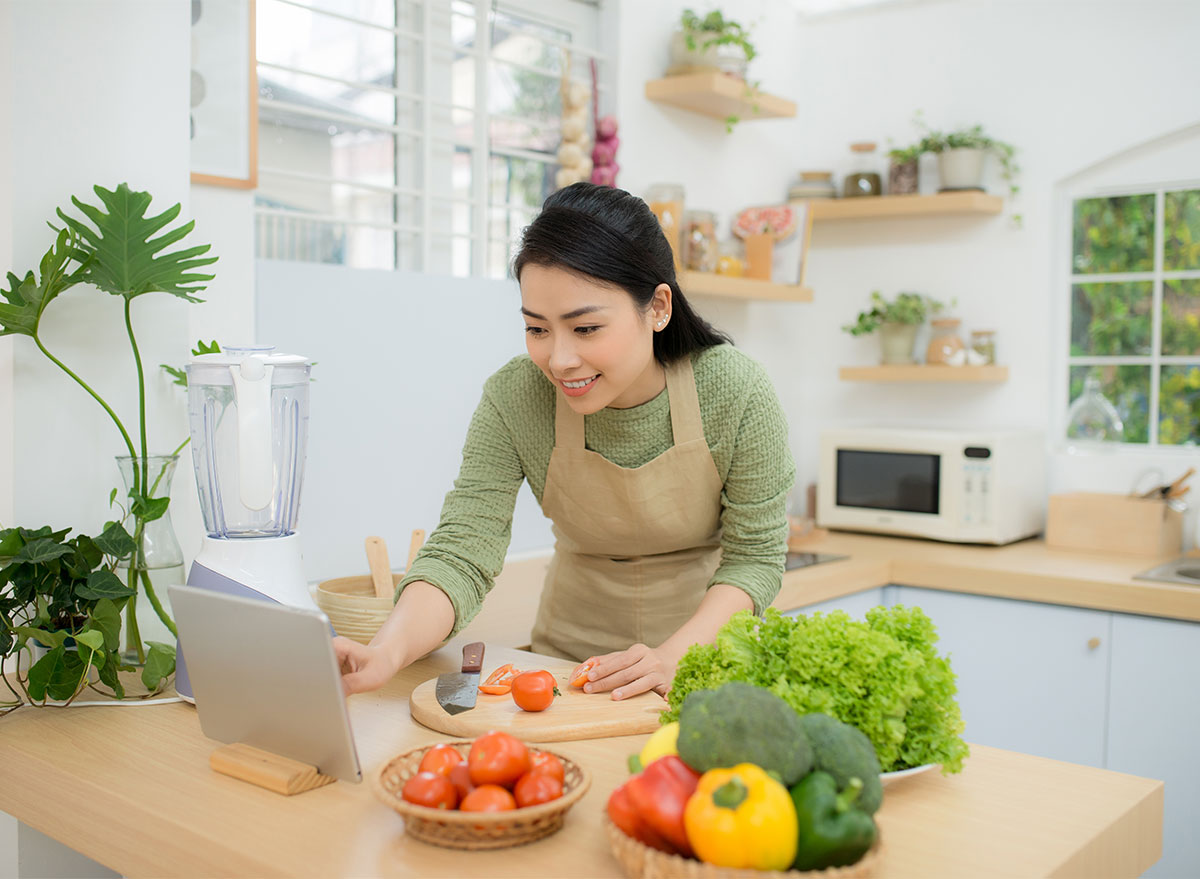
{"x":499,"y":682}
{"x":580,"y":676}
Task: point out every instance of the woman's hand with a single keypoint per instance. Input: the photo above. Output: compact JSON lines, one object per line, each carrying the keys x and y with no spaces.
{"x":630,"y":672}
{"x":363,"y":668}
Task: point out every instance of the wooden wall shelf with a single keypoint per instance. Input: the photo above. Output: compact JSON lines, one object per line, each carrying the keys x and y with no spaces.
{"x":709,"y":284}
{"x":718,"y":95}
{"x":919,"y":372}
{"x":876,"y":207}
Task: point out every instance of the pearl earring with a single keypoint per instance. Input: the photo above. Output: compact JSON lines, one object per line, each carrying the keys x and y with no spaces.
{"x":662,"y":323}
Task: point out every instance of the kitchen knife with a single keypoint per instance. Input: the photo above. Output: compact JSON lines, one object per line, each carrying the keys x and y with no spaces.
{"x":456,"y":692}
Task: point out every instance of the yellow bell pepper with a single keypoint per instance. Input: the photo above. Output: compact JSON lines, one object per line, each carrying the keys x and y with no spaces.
{"x":742,"y":818}
{"x":661,"y":744}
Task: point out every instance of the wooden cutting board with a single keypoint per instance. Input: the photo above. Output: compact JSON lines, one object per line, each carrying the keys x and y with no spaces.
{"x":573,"y":715}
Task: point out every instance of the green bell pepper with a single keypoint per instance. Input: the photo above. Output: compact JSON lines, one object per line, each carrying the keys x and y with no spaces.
{"x":832,"y":832}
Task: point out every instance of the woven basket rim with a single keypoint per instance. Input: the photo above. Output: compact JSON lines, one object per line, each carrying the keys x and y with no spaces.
{"x":454,"y":816}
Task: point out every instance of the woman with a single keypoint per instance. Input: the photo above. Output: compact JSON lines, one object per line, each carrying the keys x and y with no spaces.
{"x":658,"y":450}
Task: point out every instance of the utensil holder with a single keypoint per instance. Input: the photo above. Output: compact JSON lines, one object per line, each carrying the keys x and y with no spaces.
{"x":1114,"y":523}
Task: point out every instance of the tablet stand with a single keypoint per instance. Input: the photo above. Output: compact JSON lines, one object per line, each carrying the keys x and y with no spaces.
{"x":282,"y":775}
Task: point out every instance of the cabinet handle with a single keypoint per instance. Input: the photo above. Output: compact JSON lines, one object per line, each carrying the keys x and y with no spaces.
{"x":1093,"y":643}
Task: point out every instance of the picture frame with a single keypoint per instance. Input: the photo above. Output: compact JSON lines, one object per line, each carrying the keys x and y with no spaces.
{"x":224,"y":94}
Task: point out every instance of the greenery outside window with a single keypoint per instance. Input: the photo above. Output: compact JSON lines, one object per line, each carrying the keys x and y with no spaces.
{"x":1135,"y":309}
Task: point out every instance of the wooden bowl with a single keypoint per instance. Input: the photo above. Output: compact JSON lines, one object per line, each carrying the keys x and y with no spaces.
{"x":352,"y":606}
{"x":642,"y":862}
{"x":477,"y":831}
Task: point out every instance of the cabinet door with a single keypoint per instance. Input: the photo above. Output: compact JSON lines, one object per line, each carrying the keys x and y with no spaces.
{"x":1154,"y":715}
{"x":1031,"y":677}
{"x":856,"y":605}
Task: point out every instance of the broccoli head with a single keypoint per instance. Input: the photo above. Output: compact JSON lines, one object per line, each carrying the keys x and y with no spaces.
{"x":742,"y":723}
{"x":845,"y":752}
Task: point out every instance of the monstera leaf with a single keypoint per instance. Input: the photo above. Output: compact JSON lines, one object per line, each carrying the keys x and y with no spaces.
{"x":127,"y":260}
{"x":26,"y":298}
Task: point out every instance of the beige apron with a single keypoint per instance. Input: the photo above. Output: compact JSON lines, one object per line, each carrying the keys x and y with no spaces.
{"x":634,"y":547}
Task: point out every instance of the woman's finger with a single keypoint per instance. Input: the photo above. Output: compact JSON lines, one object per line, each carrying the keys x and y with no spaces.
{"x":620,"y":677}
{"x":637,"y":686}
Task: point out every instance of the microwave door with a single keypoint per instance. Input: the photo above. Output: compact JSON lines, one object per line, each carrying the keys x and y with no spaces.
{"x":894,"y":482}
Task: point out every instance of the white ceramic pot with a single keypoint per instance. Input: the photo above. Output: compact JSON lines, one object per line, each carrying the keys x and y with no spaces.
{"x":896,"y":342}
{"x":961,"y":168}
{"x":726,"y":59}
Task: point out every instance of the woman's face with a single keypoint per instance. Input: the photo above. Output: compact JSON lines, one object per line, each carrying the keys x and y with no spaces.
{"x":591,"y":340}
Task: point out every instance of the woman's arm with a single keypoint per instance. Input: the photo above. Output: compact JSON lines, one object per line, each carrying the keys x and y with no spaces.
{"x":642,"y":668}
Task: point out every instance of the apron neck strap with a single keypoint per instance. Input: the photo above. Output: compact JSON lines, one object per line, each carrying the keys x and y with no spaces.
{"x":686,"y":424}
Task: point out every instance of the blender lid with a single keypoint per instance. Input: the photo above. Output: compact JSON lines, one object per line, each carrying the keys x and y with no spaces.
{"x":214,"y":369}
{"x":232,"y":354}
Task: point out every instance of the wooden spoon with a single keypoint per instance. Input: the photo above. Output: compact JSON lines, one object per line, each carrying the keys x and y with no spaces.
{"x":418,"y":538}
{"x":381,"y":569}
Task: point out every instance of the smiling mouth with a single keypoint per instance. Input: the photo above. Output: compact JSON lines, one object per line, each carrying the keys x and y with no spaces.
{"x":582,"y":383}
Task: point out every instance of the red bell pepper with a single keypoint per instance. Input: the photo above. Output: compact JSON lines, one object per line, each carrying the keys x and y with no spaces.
{"x":623,"y":814}
{"x":659,"y":795}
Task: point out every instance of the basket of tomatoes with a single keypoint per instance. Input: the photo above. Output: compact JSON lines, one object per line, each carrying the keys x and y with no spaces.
{"x":490,"y":793}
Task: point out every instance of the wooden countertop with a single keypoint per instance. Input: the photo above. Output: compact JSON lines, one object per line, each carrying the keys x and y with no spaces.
{"x":131,"y":788}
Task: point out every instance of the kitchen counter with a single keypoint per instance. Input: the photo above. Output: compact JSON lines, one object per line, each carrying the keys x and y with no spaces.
{"x":131,"y":788}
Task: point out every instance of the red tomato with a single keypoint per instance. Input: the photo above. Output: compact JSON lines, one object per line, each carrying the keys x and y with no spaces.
{"x":534,"y":690}
{"x":440,"y":759}
{"x":488,"y":798}
{"x":547,"y":764}
{"x":537,"y":787}
{"x":579,"y":676}
{"x":430,"y":789}
{"x":460,"y":777}
{"x":497,"y":758}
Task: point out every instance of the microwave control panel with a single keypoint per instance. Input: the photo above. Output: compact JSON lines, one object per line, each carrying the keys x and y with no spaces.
{"x":977,"y":485}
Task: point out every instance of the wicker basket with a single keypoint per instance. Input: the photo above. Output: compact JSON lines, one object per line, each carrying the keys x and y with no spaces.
{"x":642,"y":862}
{"x":477,"y":830}
{"x":353,"y":609}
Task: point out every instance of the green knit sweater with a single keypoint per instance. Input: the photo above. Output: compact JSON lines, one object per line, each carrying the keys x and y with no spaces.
{"x":512,"y":435}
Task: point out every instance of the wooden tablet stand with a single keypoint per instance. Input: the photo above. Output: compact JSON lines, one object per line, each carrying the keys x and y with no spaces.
{"x":282,"y":775}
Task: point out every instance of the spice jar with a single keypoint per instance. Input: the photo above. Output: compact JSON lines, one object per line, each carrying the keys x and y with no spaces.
{"x":945,"y":347}
{"x":983,"y":343}
{"x":666,"y":201}
{"x":864,"y":177}
{"x":700,"y":241}
{"x":813,"y":184}
{"x":731,"y":259}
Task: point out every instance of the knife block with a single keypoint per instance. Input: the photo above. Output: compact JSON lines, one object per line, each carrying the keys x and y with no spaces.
{"x":282,"y":775}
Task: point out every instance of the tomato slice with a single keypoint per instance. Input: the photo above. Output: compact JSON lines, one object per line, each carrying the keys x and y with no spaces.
{"x":580,"y":677}
{"x":499,"y":682}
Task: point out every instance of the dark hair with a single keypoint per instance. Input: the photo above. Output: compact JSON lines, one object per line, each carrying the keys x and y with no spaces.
{"x":611,"y":236}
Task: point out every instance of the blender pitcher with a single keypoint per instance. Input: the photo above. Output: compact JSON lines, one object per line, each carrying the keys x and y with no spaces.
{"x":248,"y":419}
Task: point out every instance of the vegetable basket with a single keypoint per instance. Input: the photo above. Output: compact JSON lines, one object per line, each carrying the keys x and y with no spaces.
{"x":643,"y":862}
{"x":476,"y":831}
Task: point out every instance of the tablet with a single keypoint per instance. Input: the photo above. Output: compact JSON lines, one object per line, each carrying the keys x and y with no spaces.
{"x":265,"y":674}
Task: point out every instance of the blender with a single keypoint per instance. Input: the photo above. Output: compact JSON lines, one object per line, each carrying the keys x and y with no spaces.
{"x":248,"y":419}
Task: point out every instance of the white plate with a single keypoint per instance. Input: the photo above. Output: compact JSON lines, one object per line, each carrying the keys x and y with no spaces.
{"x":889,"y":777}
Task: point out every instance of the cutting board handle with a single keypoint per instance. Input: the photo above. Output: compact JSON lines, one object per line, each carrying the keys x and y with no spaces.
{"x":473,"y":658}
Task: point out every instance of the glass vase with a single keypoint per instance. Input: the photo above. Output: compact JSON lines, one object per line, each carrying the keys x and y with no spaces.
{"x":158,"y":559}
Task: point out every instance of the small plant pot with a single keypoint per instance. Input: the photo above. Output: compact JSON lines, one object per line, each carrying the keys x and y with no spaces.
{"x":726,"y":59}
{"x":902,"y":178}
{"x":896,"y":343}
{"x":759,"y":250}
{"x":961,"y":169}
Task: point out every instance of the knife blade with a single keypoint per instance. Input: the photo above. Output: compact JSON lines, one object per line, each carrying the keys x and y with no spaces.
{"x":456,"y":691}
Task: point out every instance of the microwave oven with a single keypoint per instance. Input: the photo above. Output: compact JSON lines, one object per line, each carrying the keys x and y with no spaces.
{"x":962,"y":486}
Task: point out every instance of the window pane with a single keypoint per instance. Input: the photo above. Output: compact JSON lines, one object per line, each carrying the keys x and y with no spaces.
{"x":1181,"y":317}
{"x":520,"y":182}
{"x":1111,"y":319}
{"x":327,"y":149}
{"x":295,"y":37}
{"x":1114,"y":235}
{"x":300,"y":238}
{"x":1179,"y":406}
{"x":1181,"y":231}
{"x":381,"y":12}
{"x":1127,"y":388}
{"x":323,"y":95}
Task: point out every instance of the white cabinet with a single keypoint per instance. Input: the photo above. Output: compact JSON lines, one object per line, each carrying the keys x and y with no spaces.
{"x":856,"y":604}
{"x":1154,"y":715}
{"x":1031,"y":677}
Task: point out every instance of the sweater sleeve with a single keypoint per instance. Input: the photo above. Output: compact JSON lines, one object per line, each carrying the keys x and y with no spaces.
{"x":465,"y":553}
{"x":754,"y":500}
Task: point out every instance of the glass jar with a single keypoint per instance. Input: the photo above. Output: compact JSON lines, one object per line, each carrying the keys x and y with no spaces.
{"x":863,"y":178}
{"x":731,"y":258}
{"x":666,"y":201}
{"x":700,"y":241}
{"x":983,"y":343}
{"x":945,"y":346}
{"x":813,"y":184}
{"x":1092,"y":418}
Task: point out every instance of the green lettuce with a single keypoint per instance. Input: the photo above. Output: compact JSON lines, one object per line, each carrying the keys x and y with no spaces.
{"x":883,"y":676}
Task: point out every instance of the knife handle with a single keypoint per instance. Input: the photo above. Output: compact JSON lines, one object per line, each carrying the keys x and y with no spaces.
{"x":473,"y":657}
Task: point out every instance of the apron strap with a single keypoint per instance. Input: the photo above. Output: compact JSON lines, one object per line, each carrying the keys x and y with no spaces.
{"x":686,"y":424}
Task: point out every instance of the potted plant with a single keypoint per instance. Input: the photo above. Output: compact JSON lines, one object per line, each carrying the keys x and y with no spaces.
{"x":711,"y":42}
{"x":902,"y":171}
{"x":961,"y":156}
{"x":60,"y":605}
{"x":897,"y":322}
{"x":118,"y":250}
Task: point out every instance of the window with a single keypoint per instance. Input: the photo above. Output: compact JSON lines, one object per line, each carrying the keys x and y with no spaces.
{"x":1135,"y":309}
{"x":411,"y":134}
